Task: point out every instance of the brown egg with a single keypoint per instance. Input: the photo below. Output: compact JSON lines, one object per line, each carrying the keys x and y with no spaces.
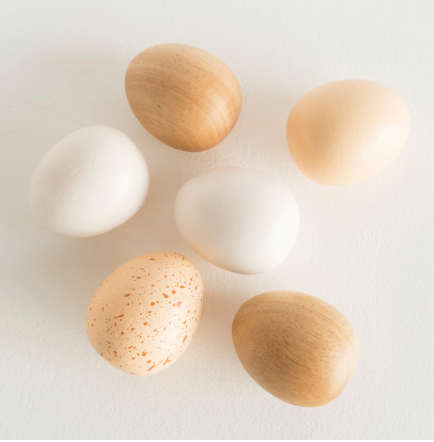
{"x":297,"y":347}
{"x":145,"y":314}
{"x":346,"y":131}
{"x":184,"y":96}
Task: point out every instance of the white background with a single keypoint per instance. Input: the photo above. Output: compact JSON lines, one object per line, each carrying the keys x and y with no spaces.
{"x":368,"y":248}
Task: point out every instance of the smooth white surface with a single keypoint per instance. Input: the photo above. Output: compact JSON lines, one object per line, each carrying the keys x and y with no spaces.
{"x":90,"y":182}
{"x":368,"y":248}
{"x":238,"y":219}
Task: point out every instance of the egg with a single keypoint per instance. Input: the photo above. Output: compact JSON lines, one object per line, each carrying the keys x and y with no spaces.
{"x":346,"y":131}
{"x":90,"y":182}
{"x":145,"y":314}
{"x":238,"y":219}
{"x":184,"y":96}
{"x":297,"y":347}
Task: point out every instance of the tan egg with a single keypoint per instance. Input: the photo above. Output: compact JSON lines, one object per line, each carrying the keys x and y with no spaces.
{"x":297,"y":347}
{"x":145,"y":314}
{"x":346,"y":131}
{"x":184,"y":96}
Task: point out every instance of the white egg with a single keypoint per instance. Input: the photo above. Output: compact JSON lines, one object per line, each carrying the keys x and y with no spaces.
{"x":238,"y":219}
{"x":90,"y":182}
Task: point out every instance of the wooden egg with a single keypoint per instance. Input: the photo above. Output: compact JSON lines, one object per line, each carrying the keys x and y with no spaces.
{"x":184,"y":96}
{"x":297,"y":347}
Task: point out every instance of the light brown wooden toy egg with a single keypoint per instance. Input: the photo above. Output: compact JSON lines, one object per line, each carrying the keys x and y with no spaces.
{"x":145,"y":314}
{"x":184,"y":96}
{"x":297,"y":347}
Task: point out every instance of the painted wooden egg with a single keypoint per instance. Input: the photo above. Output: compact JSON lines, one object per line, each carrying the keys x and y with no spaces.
{"x":145,"y":314}
{"x":345,"y":131}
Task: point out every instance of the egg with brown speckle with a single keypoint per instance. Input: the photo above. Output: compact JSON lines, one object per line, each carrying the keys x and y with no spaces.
{"x":145,"y":314}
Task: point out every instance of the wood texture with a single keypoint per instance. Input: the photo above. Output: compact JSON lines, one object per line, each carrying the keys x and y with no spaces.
{"x":184,"y":96}
{"x":297,"y":347}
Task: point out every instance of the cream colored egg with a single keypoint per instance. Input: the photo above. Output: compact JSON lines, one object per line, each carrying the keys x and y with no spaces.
{"x":346,"y":131}
{"x":145,"y":314}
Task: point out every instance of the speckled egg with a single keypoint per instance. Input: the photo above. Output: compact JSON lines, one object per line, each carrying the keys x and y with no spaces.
{"x":145,"y":314}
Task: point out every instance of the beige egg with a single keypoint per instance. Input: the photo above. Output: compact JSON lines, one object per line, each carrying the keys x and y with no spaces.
{"x":346,"y":131}
{"x":297,"y":347}
{"x":145,"y":314}
{"x":184,"y":96}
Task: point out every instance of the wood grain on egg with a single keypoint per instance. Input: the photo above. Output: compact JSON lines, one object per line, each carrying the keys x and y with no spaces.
{"x":184,"y":96}
{"x":297,"y":347}
{"x":145,"y":314}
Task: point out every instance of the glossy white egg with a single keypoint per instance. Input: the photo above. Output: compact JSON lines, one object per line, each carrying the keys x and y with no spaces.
{"x":238,"y":219}
{"x":90,"y":182}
